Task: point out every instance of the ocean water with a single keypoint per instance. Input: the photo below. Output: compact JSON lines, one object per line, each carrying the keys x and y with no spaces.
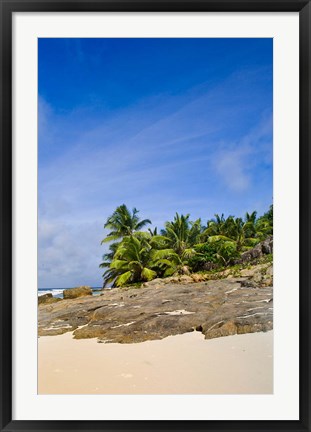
{"x":58,"y":292}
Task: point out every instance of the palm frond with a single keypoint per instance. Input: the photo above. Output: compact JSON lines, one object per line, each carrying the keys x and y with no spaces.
{"x":123,"y":278}
{"x":118,"y":264}
{"x":148,"y":274}
{"x":217,"y":238}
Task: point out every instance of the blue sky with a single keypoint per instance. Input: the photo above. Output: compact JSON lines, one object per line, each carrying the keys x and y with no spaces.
{"x":163,"y":125}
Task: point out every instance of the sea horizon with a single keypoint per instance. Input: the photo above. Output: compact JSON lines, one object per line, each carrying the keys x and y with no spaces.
{"x":58,"y":292}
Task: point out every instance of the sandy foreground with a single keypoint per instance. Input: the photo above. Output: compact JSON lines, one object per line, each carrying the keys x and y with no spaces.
{"x":182,"y":364}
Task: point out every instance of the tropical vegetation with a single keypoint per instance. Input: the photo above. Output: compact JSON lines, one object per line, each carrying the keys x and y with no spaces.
{"x":181,"y":247}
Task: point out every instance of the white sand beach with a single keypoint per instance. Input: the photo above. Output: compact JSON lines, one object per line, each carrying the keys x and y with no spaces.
{"x":182,"y":364}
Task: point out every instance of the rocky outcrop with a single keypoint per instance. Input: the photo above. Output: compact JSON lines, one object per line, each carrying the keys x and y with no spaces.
{"x":217,"y":308}
{"x":47,"y":299}
{"x":263,"y":248}
{"x":77,"y":292}
{"x":261,"y":274}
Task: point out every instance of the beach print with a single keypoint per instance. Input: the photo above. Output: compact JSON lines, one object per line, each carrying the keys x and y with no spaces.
{"x":155,"y":216}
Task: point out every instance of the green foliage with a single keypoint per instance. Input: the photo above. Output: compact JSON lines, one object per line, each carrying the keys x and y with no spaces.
{"x":168,"y":262}
{"x":132,"y":261}
{"x":135,"y":256}
{"x":205,"y":253}
{"x":218,"y":250}
{"x":246,"y":233}
{"x":264,"y":224}
{"x":181,"y":234}
{"x":227,"y":250}
{"x":123,"y":222}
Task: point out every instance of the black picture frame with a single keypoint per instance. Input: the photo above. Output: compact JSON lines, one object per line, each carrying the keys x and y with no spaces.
{"x":8,"y":7}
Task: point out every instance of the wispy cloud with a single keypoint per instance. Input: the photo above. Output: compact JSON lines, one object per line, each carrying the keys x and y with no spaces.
{"x":69,"y":255}
{"x":236,"y":164}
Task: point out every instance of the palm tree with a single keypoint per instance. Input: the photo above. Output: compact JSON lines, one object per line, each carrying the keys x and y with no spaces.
{"x":181,"y":234}
{"x":123,"y":223}
{"x":264,"y":224}
{"x":141,"y":256}
{"x":223,"y":249}
{"x":242,"y":232}
{"x":269,"y":214}
{"x":216,"y":226}
{"x":251,"y":217}
{"x":237,"y":232}
{"x":153,"y":232}
{"x":132,"y":262}
{"x":109,"y":275}
{"x":250,"y":224}
{"x":173,"y":248}
{"x":168,"y":262}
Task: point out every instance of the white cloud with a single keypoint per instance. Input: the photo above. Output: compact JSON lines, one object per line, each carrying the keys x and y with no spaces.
{"x":70,"y":254}
{"x":236,"y":165}
{"x":231,"y":168}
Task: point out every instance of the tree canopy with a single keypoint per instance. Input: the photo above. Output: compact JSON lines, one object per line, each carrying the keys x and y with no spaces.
{"x":181,"y":247}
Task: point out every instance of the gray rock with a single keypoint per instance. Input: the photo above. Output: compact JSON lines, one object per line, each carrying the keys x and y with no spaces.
{"x":263,"y":248}
{"x":126,"y":315}
{"x":77,"y":292}
{"x":47,"y":299}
